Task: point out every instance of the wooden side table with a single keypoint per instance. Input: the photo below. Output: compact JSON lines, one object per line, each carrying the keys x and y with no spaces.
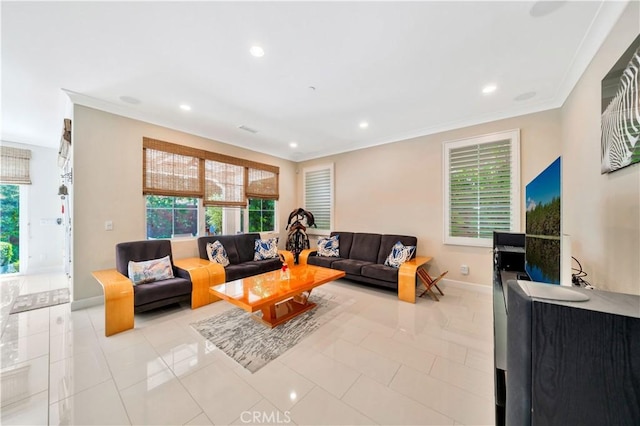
{"x":429,"y":283}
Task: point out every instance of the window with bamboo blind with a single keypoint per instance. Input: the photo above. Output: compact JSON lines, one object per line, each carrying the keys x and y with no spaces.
{"x":220,"y":180}
{"x":224,"y":183}
{"x":15,"y":165}
{"x":481,"y":188}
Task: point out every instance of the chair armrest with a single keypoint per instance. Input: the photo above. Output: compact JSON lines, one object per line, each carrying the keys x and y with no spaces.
{"x":203,"y":274}
{"x":287,"y":256}
{"x":407,"y":278}
{"x":118,"y":300}
{"x":304,"y":255}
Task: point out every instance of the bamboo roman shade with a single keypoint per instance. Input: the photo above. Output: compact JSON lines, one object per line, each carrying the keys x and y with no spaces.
{"x":15,"y":165}
{"x":262,"y":184}
{"x":224,"y":184}
{"x":220,"y":180}
{"x":170,"y":169}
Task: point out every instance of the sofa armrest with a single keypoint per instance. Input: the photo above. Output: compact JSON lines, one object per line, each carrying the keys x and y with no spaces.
{"x":304,"y":255}
{"x":287,"y":256}
{"x":203,"y":274}
{"x":407,"y":278}
{"x":118,"y":300}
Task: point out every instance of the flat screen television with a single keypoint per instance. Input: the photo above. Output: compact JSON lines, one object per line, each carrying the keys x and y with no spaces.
{"x":543,"y":251}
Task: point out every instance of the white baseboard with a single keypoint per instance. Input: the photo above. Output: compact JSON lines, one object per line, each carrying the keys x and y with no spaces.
{"x":87,"y":303}
{"x":468,"y":286}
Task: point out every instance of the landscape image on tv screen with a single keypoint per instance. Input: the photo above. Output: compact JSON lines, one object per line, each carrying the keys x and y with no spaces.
{"x":542,"y":246}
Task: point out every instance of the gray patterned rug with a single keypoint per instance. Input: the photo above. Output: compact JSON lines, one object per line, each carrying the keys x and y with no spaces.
{"x":252,"y":344}
{"x":28,"y":302}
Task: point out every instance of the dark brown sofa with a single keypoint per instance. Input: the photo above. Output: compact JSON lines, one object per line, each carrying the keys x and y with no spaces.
{"x":240,"y":249}
{"x":362,"y":258}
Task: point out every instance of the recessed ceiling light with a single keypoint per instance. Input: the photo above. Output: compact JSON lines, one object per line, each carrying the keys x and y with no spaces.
{"x":293,"y":144}
{"x":185,"y":107}
{"x":490,"y":88}
{"x":364,"y":125}
{"x":257,"y":51}
{"x":524,"y":96}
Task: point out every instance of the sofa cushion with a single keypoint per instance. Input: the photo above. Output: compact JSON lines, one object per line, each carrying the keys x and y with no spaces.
{"x":246,"y":243}
{"x":399,"y":254}
{"x":380,"y":272}
{"x":217,"y":253}
{"x":159,"y":290}
{"x":227,"y":241}
{"x":236,"y":272}
{"x":150,"y":270}
{"x":265,"y":249}
{"x":346,"y":240}
{"x":329,"y":247}
{"x":365,"y":247}
{"x":266,"y":265}
{"x":350,"y":266}
{"x":388,"y":241}
{"x":138,"y":251}
{"x":325,"y":262}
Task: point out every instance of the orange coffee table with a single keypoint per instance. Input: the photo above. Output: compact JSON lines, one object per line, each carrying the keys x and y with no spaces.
{"x":278,"y":299}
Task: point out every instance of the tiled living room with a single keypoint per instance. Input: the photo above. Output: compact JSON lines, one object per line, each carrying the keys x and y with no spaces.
{"x":378,"y":101}
{"x":376,"y":362}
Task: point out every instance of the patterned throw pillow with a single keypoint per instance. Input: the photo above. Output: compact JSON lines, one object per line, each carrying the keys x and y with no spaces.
{"x":329,"y":247}
{"x":399,"y":254}
{"x":217,"y":253}
{"x":150,"y":270}
{"x":266,"y":249}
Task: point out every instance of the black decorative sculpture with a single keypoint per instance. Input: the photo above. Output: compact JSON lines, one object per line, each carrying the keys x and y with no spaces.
{"x":297,"y":239}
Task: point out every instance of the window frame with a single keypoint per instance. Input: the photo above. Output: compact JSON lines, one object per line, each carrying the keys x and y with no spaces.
{"x":331,"y":168}
{"x":199,"y":213}
{"x":515,"y":207}
{"x":255,"y":180}
{"x":275,"y":216}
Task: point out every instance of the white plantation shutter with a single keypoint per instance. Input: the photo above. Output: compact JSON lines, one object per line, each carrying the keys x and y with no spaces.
{"x":318,"y":195}
{"x":481,"y":188}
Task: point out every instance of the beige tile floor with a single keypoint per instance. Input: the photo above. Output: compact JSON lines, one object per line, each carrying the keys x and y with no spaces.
{"x":380,"y":361}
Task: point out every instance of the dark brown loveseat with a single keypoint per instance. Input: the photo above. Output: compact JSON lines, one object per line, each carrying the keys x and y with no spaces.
{"x":240,"y":249}
{"x":362,"y":257}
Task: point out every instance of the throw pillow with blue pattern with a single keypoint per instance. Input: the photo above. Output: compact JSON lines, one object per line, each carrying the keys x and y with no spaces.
{"x":329,"y":247}
{"x":399,"y":254}
{"x":150,"y":270}
{"x":217,"y":253}
{"x":266,"y":249}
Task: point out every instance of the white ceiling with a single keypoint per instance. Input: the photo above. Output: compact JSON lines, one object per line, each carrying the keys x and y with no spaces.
{"x":409,"y":69}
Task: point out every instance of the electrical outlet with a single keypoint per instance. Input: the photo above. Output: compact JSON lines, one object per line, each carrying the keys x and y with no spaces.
{"x":108,"y":225}
{"x":464,"y":269}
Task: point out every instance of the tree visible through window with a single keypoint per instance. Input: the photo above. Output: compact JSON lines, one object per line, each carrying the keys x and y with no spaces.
{"x":9,"y":228}
{"x":262,"y":215}
{"x":169,"y":217}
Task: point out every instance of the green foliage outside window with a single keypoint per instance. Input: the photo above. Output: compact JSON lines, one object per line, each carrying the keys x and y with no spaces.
{"x":171,"y":216}
{"x":262,"y":214}
{"x":9,"y":227}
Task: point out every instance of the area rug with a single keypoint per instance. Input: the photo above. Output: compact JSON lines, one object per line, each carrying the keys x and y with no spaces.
{"x":253,"y":345}
{"x":28,"y":302}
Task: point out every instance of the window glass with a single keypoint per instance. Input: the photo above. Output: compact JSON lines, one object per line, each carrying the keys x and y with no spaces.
{"x":262,"y":215}
{"x":170,"y":217}
{"x":482,"y":188}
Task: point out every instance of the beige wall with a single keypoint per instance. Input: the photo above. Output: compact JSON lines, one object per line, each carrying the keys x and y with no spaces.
{"x":601,"y":213}
{"x":107,"y":178}
{"x":397,"y":188}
